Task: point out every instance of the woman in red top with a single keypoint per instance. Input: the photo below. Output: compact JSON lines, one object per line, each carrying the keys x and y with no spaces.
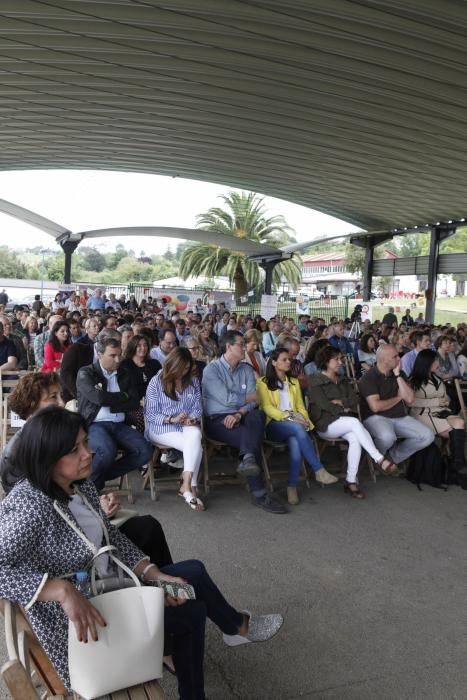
{"x":57,"y":345}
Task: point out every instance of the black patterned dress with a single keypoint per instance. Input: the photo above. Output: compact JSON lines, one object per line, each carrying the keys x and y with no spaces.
{"x":37,"y":544}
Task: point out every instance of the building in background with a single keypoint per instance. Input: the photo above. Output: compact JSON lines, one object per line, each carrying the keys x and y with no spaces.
{"x":326,"y":274}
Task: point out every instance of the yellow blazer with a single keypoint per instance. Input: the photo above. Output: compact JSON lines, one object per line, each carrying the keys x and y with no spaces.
{"x":269,"y":400}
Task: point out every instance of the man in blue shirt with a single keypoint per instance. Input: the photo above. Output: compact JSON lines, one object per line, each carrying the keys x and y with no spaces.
{"x":96,"y":302}
{"x":339,"y":341}
{"x":232,"y":416}
{"x":420,"y":341}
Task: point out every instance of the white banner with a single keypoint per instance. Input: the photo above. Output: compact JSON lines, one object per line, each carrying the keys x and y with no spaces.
{"x":302,"y":306}
{"x":268,"y":306}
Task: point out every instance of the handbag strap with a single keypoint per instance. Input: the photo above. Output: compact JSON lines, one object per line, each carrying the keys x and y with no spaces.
{"x":97,"y":551}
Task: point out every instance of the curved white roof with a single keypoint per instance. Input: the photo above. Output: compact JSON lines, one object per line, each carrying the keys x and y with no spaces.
{"x":357,"y":109}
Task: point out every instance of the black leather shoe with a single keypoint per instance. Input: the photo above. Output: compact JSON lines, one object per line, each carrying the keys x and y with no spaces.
{"x":269,"y":504}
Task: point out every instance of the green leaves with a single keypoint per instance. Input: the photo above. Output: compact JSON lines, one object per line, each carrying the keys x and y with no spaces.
{"x":244,"y":216}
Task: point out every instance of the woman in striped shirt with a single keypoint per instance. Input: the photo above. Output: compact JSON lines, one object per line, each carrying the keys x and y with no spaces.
{"x":172,"y":412}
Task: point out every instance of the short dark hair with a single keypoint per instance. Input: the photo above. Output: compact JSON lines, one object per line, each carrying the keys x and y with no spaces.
{"x":325,"y":354}
{"x":167,"y":329}
{"x":46,"y":437}
{"x":440,"y":340}
{"x":417,"y":336}
{"x":229,"y":338}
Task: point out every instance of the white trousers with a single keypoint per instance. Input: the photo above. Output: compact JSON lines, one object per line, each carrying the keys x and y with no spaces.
{"x":353,"y":431}
{"x":188,"y":441}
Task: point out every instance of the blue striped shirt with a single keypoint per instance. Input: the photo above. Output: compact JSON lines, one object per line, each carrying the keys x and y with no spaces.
{"x":157,"y":405}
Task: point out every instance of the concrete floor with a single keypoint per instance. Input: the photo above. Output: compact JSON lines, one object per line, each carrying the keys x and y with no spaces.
{"x":372,"y":592}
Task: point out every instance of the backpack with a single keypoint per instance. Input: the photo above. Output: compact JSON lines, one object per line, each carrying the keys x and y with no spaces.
{"x":428,"y":466}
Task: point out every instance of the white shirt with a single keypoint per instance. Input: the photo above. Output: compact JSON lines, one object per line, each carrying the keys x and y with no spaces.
{"x":105,"y":413}
{"x":157,"y":354}
{"x":284,"y":399}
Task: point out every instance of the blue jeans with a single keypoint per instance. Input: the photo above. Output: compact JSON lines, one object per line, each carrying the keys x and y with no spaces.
{"x":186,"y":626}
{"x":105,"y":440}
{"x":300,"y":446}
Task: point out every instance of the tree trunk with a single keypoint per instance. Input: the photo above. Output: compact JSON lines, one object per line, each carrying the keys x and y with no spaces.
{"x":241,"y":287}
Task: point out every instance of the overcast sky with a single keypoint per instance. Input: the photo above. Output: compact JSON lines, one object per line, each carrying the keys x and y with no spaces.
{"x":83,"y":200}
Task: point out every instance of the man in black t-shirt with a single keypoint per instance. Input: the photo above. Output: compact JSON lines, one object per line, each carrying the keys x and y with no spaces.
{"x":8,"y":359}
{"x":385,"y":396}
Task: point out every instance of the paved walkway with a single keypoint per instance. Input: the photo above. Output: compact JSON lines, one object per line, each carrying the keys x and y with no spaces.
{"x":373,"y":592}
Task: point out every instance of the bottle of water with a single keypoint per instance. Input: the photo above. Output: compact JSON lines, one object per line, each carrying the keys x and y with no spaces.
{"x":83,"y":584}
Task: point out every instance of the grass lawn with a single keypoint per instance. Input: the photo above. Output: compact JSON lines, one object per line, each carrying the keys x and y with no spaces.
{"x":448,"y":309}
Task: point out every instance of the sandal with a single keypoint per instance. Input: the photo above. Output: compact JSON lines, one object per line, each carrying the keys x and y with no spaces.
{"x":391,"y":468}
{"x":199,"y":504}
{"x":353,"y":490}
{"x":189,"y":499}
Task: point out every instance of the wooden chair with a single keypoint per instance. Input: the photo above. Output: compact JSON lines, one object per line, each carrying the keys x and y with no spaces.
{"x":121,"y":486}
{"x":461,"y":389}
{"x":149,"y":473}
{"x":267,"y":450}
{"x":210,"y":446}
{"x":29,"y":675}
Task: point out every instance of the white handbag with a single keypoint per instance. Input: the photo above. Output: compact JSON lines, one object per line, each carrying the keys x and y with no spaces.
{"x":129,"y":649}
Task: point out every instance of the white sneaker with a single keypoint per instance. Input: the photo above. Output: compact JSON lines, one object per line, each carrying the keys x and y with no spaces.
{"x":177,"y":465}
{"x":170,"y":456}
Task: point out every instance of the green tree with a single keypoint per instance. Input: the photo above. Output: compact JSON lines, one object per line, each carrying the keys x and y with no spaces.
{"x":119,"y":254}
{"x":55,"y":267}
{"x":10,"y":264}
{"x":354,"y":259}
{"x":164,"y":268}
{"x":93,"y":260}
{"x":244,"y":216}
{"x":131,"y":270}
{"x":181,"y":247}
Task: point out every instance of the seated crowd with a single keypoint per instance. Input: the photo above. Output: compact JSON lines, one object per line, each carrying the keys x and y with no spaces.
{"x":241,"y":380}
{"x":138,"y":377}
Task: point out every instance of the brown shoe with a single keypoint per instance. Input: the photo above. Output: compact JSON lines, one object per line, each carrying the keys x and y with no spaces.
{"x":353,"y":490}
{"x":292,"y":496}
{"x":324,"y":477}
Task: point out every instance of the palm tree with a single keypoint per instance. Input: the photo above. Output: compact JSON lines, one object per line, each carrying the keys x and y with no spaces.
{"x":243,"y":217}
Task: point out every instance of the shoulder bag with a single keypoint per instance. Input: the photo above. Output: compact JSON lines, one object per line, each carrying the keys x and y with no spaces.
{"x":130,"y":648}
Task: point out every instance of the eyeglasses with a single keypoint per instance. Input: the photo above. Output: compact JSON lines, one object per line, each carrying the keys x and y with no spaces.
{"x":241,"y":343}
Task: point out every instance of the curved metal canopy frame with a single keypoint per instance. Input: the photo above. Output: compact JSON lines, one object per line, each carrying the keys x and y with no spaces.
{"x":356,"y":109}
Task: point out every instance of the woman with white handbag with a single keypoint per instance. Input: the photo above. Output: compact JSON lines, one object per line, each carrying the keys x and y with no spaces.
{"x":51,"y":526}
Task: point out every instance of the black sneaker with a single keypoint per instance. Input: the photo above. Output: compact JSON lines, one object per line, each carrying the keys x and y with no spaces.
{"x":248,"y":467}
{"x":269,"y":504}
